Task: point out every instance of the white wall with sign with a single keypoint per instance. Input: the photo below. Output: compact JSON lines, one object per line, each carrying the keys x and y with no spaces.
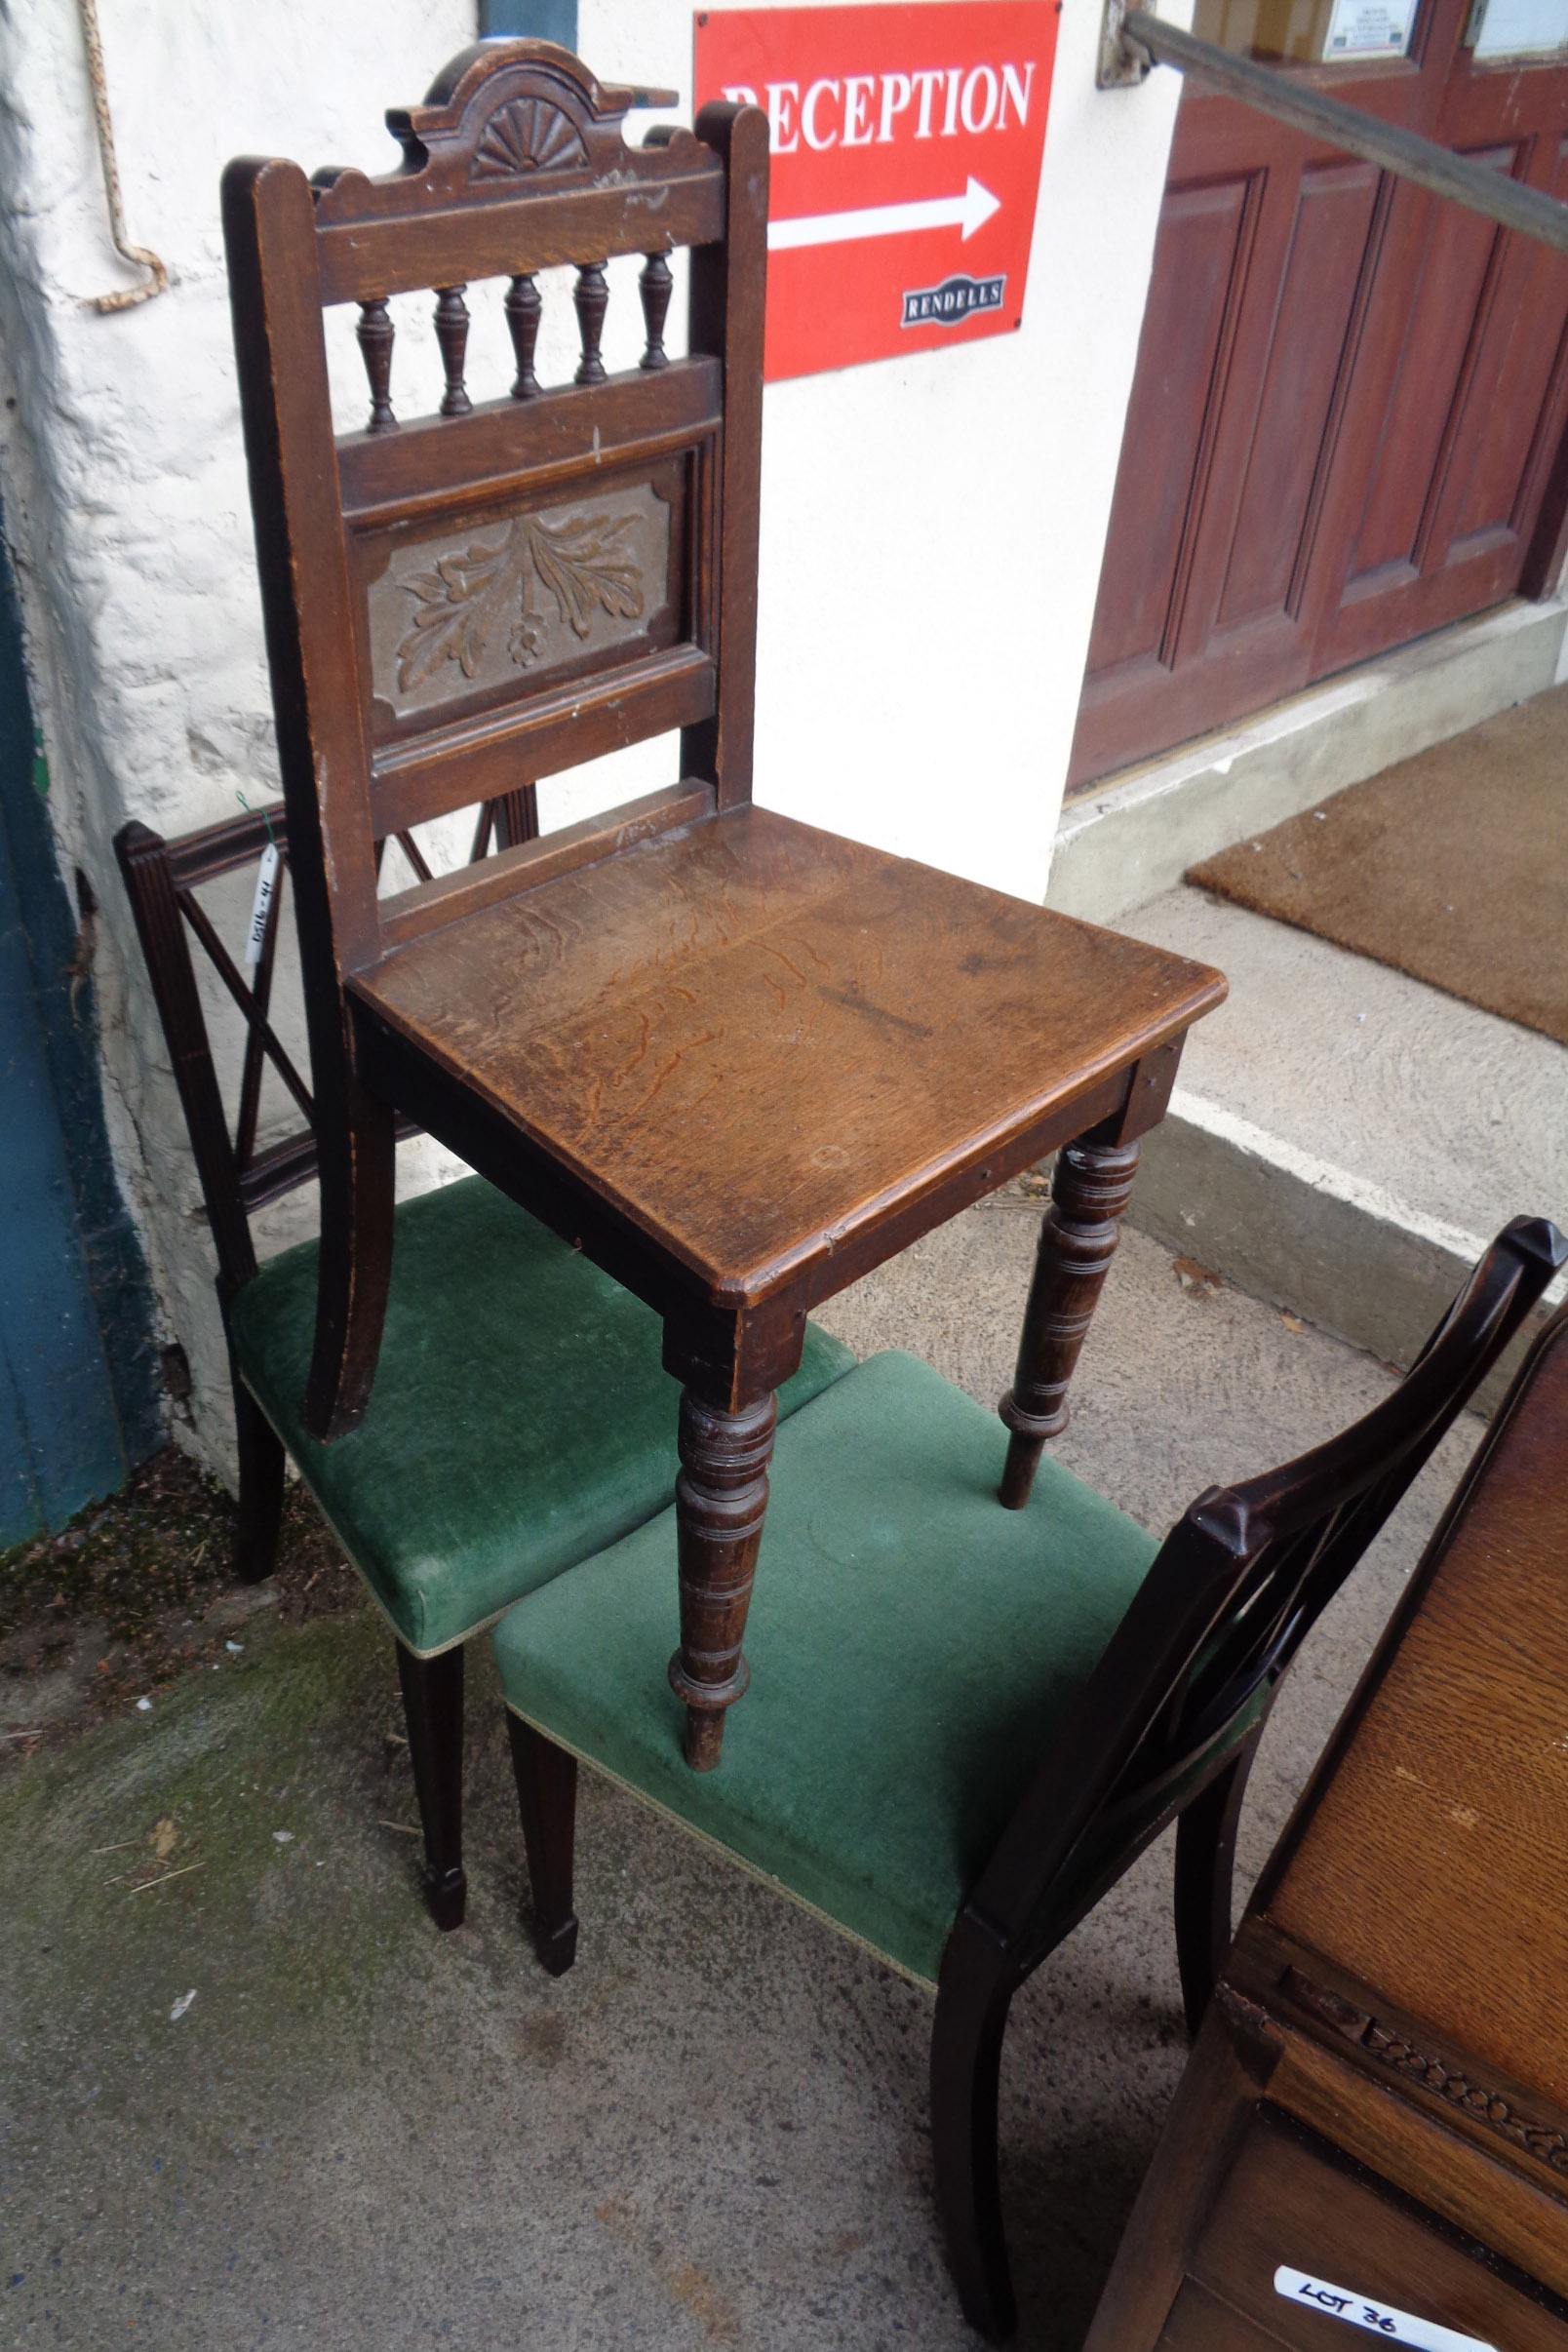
{"x":932,"y":526}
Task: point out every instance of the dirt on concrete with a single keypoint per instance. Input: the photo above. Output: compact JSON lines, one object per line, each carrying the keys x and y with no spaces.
{"x":139,"y":1590}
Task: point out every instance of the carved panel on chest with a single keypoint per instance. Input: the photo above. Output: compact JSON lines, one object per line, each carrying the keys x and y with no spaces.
{"x":469,"y":613}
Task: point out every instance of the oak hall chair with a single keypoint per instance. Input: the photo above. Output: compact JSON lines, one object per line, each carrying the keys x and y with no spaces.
{"x":973,"y":1721}
{"x":739,"y":1060}
{"x":478,"y":1472}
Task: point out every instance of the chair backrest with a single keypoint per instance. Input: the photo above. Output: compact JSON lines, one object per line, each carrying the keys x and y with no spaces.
{"x":163,"y":879}
{"x":458,"y":605}
{"x":1237,"y":1584}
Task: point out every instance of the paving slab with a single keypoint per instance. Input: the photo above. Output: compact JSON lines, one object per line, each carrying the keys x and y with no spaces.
{"x":1345,"y":1140}
{"x":714,"y":2130}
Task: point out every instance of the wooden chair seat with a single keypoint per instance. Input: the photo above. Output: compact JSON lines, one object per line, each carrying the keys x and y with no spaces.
{"x":914,"y":1652}
{"x":478,"y":1473}
{"x":759,"y":1039}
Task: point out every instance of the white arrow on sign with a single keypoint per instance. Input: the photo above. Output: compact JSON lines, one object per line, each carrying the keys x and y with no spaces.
{"x":969,"y":212}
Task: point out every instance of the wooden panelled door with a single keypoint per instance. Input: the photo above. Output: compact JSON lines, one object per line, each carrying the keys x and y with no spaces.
{"x":1347,"y":424}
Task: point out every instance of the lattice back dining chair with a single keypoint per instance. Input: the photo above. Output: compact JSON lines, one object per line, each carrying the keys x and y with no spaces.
{"x":469,"y":1481}
{"x":438,"y":632}
{"x":973,"y":1721}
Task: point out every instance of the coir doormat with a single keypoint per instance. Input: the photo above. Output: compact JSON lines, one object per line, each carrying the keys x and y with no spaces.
{"x":1452,"y":866}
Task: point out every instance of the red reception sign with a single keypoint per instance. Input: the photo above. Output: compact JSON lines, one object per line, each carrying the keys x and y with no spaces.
{"x":905,"y":147}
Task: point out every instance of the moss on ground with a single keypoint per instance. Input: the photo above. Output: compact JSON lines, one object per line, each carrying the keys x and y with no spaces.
{"x":137,"y":1590}
{"x":220,"y":1833}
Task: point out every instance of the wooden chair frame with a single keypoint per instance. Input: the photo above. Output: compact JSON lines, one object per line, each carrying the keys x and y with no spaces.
{"x":389,"y":562}
{"x":1240,"y":1582}
{"x":161,"y":879}
{"x":503,"y":134}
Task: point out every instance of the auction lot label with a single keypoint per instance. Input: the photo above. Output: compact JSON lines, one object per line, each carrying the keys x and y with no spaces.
{"x":906,"y":147}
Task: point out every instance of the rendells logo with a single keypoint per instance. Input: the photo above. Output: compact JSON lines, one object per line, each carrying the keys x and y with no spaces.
{"x":954,"y":299}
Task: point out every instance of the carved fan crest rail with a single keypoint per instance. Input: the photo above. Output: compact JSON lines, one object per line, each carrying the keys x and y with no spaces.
{"x":501,"y":121}
{"x":527,"y":135}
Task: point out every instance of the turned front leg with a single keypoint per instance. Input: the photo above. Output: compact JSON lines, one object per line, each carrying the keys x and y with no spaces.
{"x":1077,"y":1237}
{"x":721,"y":1497}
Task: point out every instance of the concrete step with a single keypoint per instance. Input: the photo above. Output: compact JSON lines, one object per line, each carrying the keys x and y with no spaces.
{"x":1136,"y":833}
{"x":1344,"y":1140}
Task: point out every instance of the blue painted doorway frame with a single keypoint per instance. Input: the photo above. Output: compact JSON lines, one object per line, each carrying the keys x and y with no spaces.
{"x":79,"y":1372}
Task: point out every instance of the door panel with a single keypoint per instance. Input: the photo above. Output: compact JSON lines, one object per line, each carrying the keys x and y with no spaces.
{"x":1333,"y":219}
{"x":1444,"y":327}
{"x":1193,"y":297}
{"x":1418,"y":416}
{"x":1351,"y":438}
{"x":1498,"y":490}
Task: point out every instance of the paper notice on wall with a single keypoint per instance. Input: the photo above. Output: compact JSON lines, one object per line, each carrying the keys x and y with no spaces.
{"x":1369,"y":29}
{"x":1518,"y":28}
{"x":1377,"y":2318}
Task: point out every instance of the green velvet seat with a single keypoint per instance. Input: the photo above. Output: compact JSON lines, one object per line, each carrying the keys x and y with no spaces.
{"x":914,"y":1650}
{"x":520,"y":1421}
{"x":965,"y":1722}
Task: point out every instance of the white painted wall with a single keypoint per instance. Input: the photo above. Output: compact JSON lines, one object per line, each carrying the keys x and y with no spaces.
{"x":931,"y":535}
{"x":932,"y":526}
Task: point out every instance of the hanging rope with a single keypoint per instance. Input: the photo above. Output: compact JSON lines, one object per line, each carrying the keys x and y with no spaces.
{"x":130,"y":296}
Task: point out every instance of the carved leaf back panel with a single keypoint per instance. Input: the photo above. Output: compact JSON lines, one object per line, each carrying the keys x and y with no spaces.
{"x":485,"y":610}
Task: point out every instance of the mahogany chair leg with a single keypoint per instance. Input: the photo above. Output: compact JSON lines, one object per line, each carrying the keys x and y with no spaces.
{"x":357,"y":1187}
{"x":1078,"y":1239}
{"x":547,"y":1799}
{"x":1205,"y":1862}
{"x":720,"y":1499}
{"x":966,"y":2038}
{"x":261,"y":1477}
{"x":433,"y":1705}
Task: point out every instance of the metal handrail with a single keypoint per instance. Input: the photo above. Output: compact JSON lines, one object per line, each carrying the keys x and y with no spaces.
{"x":1134,"y":40}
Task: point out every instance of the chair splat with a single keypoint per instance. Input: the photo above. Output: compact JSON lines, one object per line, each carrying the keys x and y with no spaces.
{"x":451,"y":333}
{"x":524,"y":309}
{"x":590,"y":300}
{"x":252,"y":1002}
{"x":377,"y":333}
{"x":654,"y":284}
